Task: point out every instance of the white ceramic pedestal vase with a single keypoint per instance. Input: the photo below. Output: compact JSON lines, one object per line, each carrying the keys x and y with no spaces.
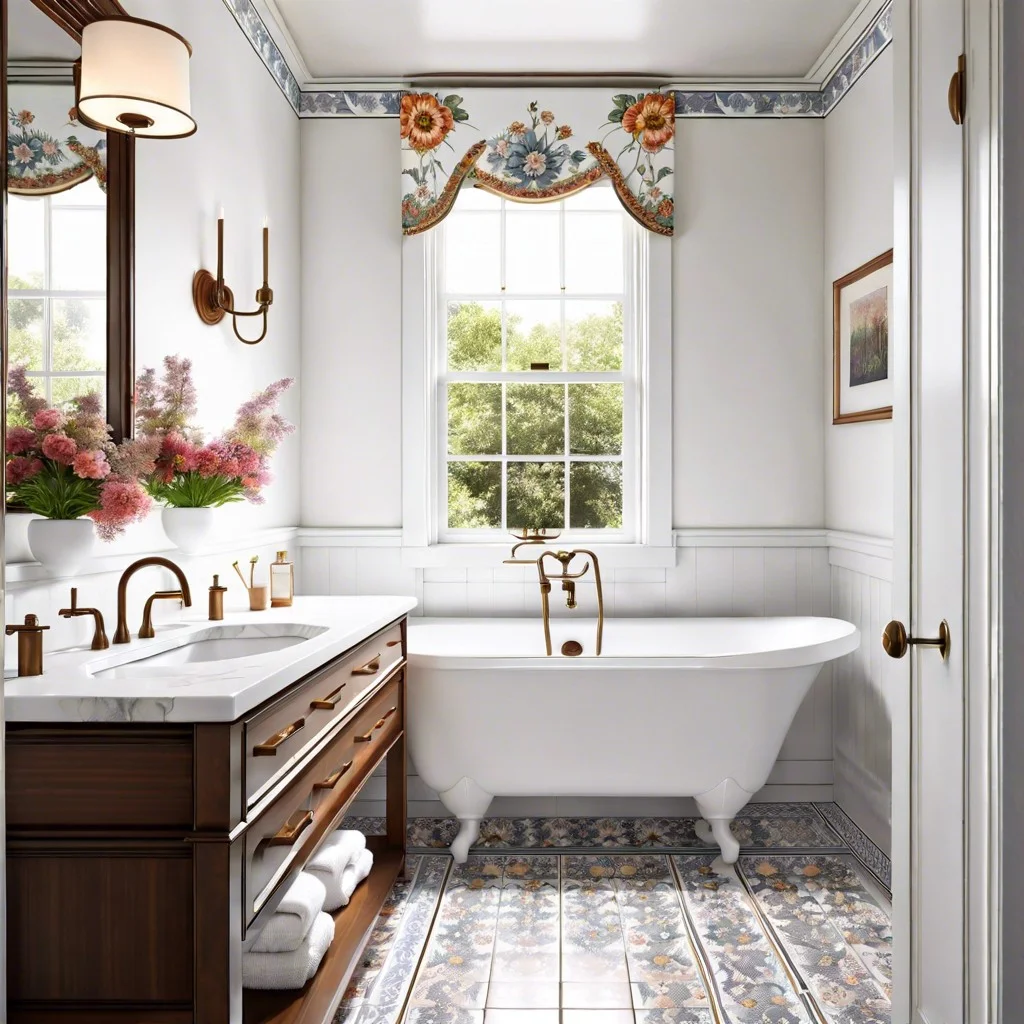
{"x":188,"y":528}
{"x":61,"y":546}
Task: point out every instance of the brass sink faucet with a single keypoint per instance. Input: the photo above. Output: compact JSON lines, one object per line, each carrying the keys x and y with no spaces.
{"x":122,"y":635}
{"x":99,"y":635}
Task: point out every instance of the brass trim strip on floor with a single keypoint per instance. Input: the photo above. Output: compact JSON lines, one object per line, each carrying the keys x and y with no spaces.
{"x":414,"y":975}
{"x":775,"y":941}
{"x":700,"y":956}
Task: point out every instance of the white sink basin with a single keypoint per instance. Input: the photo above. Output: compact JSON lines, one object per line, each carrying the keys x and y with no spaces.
{"x":215,"y":643}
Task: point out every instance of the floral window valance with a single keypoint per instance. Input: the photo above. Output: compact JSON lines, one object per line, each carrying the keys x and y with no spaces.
{"x":47,"y":151}
{"x":537,"y":147}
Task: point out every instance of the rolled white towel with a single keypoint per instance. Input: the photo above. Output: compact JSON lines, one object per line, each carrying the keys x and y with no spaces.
{"x":290,"y":969}
{"x":294,"y":916}
{"x":338,"y":851}
{"x":350,"y":878}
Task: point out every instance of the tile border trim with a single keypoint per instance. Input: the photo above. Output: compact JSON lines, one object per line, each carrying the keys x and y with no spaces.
{"x":809,"y":100}
{"x":869,"y":855}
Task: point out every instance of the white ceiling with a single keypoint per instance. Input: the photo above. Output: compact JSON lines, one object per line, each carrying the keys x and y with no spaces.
{"x":32,"y":36}
{"x":349,"y":40}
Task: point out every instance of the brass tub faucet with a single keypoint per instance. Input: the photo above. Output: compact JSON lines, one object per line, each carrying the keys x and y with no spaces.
{"x":122,"y":635}
{"x":531,"y":537}
{"x":99,"y":635}
{"x":571,"y":648}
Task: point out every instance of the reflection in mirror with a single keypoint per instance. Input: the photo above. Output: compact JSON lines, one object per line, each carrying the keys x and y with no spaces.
{"x":57,"y":217}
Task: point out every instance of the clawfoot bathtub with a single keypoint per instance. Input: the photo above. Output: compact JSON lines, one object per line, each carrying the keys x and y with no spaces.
{"x":672,"y":707}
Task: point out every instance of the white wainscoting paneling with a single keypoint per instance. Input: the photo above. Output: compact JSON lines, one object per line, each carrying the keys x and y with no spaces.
{"x":861,"y":570}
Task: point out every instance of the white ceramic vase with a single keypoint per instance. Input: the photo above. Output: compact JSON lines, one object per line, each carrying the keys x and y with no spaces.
{"x":61,"y":546}
{"x":188,"y":528}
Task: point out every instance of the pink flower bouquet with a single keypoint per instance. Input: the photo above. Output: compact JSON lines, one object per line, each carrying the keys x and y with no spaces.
{"x":61,"y":463}
{"x":189,"y":473}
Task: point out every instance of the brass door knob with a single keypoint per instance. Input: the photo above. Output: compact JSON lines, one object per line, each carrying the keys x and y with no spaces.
{"x":896,"y":643}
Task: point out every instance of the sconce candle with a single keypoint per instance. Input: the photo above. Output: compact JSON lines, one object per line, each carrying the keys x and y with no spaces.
{"x":213,"y":298}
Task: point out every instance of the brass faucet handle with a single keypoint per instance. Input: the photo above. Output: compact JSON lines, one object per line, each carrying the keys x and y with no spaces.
{"x":146,"y":631}
{"x":31,"y":625}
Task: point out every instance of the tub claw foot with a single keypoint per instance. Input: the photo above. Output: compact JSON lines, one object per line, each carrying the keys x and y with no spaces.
{"x":718,"y":807}
{"x":727,"y":842}
{"x":469,"y":803}
{"x":468,"y":832}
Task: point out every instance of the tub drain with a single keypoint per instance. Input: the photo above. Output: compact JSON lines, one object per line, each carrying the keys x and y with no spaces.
{"x":572,"y":648}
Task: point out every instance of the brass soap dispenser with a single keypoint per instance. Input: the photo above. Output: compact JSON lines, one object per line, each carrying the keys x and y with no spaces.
{"x":282,"y":581}
{"x":30,"y":646}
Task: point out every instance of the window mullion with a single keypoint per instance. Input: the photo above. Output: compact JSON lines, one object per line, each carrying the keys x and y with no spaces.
{"x":48,"y":301}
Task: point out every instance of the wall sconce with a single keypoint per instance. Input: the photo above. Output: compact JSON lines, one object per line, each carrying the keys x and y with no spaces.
{"x":133,"y":78}
{"x":213,"y":298}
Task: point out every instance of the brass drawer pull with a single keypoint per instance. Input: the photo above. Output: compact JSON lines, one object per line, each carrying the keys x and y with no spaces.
{"x":328,"y":703}
{"x":371,"y":668}
{"x":291,"y":829}
{"x":269,"y":749}
{"x":332,"y":780}
{"x":367,"y":736}
{"x":393,"y":643}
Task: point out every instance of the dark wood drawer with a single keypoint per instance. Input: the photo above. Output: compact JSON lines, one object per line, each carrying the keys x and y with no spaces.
{"x":285,"y":835}
{"x":276,"y":736}
{"x":99,"y":777}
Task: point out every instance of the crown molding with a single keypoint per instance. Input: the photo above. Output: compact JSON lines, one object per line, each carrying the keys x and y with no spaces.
{"x":850,"y":52}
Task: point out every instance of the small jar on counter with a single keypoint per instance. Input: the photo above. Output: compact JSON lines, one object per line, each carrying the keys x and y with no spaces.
{"x":282,"y":581}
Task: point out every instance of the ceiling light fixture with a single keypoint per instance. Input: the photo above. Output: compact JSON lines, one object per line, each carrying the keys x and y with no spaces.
{"x":133,"y":78}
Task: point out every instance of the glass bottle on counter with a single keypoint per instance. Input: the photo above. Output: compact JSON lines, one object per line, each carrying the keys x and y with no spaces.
{"x":282,"y":581}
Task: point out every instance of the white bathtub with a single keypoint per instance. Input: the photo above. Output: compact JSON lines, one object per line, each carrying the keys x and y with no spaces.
{"x":672,"y":707}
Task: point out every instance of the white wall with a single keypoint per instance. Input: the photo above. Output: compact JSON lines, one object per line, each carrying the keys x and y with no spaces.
{"x":747,"y":258}
{"x":748,"y":368}
{"x":246,"y":157}
{"x":858,"y":227}
{"x":859,"y":456}
{"x":352,"y":324}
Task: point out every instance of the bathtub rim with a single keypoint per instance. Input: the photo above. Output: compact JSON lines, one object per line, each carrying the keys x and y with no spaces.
{"x":819,"y":653}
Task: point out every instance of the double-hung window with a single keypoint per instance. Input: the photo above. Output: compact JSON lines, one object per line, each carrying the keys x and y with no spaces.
{"x":538,"y":383}
{"x":57,"y":279}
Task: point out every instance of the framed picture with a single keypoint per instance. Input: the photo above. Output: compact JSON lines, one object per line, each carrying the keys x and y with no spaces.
{"x":861,"y":363}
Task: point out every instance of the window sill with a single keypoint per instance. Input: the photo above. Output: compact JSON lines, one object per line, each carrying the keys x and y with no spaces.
{"x":482,"y":556}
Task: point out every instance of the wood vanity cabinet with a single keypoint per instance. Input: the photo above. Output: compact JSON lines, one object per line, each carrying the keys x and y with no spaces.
{"x":139,"y":856}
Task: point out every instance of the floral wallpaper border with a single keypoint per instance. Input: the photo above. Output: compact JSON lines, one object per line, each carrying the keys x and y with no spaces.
{"x":696,"y":103}
{"x":254,"y":29}
{"x":795,"y":103}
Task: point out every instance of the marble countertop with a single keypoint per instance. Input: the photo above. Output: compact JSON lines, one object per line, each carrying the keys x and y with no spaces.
{"x":210,"y":691}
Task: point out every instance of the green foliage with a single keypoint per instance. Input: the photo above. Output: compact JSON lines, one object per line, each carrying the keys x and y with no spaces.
{"x":56,"y":493}
{"x":535,"y":421}
{"x":536,"y":495}
{"x":69,"y":325}
{"x":474,"y":495}
{"x":190,"y":490}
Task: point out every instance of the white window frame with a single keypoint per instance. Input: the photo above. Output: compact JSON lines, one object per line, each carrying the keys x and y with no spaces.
{"x":647,"y":474}
{"x":49,"y":295}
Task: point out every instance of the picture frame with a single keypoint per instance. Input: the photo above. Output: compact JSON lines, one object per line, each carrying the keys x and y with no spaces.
{"x":861,"y":358}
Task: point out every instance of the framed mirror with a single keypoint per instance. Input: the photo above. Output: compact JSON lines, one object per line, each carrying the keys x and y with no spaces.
{"x":70,"y":214}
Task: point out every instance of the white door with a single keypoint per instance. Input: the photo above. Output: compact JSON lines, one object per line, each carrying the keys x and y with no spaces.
{"x":929,"y":584}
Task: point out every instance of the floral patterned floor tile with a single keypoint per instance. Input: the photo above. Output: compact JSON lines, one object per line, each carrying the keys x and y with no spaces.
{"x":751,"y":980}
{"x":632,"y":902}
{"x":526,"y":944}
{"x":836,"y":933}
{"x":782,"y":938}
{"x":775,"y":826}
{"x":381,"y":981}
